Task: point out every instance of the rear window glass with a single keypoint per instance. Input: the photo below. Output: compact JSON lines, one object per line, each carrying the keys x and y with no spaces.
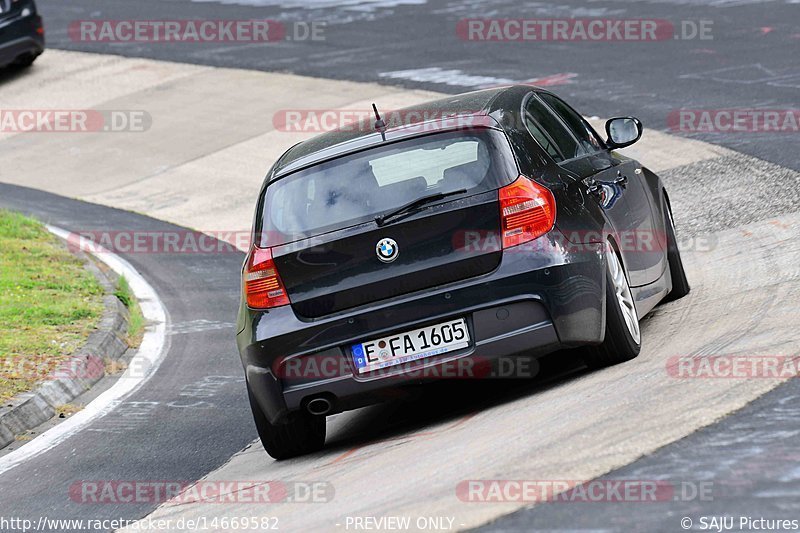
{"x":356,"y":188}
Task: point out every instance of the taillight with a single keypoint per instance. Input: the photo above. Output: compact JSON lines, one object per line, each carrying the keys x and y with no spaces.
{"x":262,"y":284}
{"x":528,"y":211}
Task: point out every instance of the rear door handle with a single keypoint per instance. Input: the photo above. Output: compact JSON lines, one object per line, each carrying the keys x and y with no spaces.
{"x":621,"y":180}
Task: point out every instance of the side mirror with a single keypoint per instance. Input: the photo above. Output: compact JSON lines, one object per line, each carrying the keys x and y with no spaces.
{"x":623,"y":131}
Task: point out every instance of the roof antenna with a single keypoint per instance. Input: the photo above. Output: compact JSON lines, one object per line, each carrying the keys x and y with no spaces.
{"x":380,"y":125}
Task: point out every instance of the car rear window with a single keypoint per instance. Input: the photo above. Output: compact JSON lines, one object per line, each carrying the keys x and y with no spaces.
{"x":356,"y":188}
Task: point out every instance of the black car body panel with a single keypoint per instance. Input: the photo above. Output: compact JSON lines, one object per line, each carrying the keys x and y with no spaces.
{"x":21,"y":32}
{"x":328,"y":277}
{"x":530,"y":285}
{"x":335,"y":269}
{"x":532,"y":299}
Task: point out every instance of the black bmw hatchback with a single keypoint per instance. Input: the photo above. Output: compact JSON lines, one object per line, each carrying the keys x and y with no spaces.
{"x":21,"y":33}
{"x":439,"y":240}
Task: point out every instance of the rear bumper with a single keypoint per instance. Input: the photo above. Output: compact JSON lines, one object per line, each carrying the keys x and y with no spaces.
{"x":18,"y":37}
{"x":532,"y":304}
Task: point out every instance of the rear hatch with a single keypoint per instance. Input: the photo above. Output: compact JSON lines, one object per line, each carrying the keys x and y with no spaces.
{"x":331,"y":252}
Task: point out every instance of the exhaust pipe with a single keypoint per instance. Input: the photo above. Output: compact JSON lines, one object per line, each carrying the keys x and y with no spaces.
{"x":319,"y":406}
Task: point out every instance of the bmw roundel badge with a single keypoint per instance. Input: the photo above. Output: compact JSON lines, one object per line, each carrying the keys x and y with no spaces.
{"x":387,"y":250}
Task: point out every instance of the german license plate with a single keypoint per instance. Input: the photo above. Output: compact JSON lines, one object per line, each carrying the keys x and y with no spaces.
{"x":410,"y":346}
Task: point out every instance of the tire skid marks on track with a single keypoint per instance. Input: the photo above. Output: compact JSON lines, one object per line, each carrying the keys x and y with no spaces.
{"x":350,"y":455}
{"x":770,"y":256}
{"x":754,"y":73}
{"x":128,"y":416}
{"x":573,"y":428}
{"x":198,"y":326}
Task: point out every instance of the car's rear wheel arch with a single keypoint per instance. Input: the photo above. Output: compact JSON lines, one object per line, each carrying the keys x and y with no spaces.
{"x":616,"y":249}
{"x":619,"y":342}
{"x":667,"y":203}
{"x":680,"y":284}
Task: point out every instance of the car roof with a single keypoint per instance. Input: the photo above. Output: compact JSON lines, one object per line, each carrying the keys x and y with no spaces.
{"x":363,"y":135}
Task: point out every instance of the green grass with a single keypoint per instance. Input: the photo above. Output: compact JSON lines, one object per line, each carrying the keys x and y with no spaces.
{"x":49,"y":303}
{"x":124,"y":292}
{"x":136,"y":321}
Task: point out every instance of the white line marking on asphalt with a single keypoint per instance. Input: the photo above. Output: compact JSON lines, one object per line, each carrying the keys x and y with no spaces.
{"x":356,"y":5}
{"x":447,"y":77}
{"x":143,"y":365}
{"x":458,"y":78}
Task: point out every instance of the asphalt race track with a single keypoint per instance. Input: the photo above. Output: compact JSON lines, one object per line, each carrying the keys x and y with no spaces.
{"x":735,"y":198}
{"x":751,"y":61}
{"x":146,"y":436}
{"x":570,"y":425}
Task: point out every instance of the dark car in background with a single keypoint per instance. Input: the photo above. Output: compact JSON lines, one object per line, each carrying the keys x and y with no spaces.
{"x":21,"y":33}
{"x":382,"y":253}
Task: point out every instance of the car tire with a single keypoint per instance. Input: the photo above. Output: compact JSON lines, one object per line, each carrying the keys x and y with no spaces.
{"x":680,"y":284}
{"x":622,"y":341}
{"x":303,"y":433}
{"x":25,"y":61}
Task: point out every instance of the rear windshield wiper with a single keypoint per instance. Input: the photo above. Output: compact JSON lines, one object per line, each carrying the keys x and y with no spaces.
{"x":411,"y":206}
